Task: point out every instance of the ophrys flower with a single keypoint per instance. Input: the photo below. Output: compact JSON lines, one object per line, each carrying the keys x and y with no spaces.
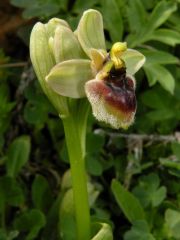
{"x":82,"y":67}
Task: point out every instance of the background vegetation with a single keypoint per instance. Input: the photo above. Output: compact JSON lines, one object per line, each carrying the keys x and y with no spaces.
{"x":146,"y":159}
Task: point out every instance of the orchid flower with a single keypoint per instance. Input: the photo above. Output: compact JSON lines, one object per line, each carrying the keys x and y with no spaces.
{"x":84,"y":68}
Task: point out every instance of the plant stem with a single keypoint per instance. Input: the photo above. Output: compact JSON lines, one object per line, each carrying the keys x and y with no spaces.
{"x":73,"y":136}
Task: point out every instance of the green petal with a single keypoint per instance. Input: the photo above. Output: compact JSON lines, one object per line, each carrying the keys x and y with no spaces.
{"x":66,"y":45}
{"x":134,"y":60}
{"x":90,"y":31}
{"x":68,"y":78}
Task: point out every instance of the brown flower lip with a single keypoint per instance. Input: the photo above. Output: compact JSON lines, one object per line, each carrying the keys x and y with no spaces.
{"x":119,"y":90}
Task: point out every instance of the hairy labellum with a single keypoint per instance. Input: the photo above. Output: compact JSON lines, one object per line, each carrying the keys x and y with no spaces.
{"x":113,"y":98}
{"x":120,"y":90}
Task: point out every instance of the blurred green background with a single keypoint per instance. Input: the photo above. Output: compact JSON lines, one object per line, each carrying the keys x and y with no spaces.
{"x":145,"y":159}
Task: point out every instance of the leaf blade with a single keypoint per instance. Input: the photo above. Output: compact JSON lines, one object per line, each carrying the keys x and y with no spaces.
{"x":160,"y":14}
{"x":128,"y":203}
{"x":163,"y":76}
{"x":18,"y":155}
{"x":113,"y":20}
{"x":167,"y":36}
{"x":158,"y":57}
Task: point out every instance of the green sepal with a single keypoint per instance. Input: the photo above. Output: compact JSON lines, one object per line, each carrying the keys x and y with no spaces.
{"x":42,"y":60}
{"x":69,"y":77}
{"x":90,"y":32}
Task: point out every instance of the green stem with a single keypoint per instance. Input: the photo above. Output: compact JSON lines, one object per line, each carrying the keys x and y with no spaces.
{"x":73,"y":136}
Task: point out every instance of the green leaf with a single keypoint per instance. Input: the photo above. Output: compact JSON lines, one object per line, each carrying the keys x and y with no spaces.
{"x":93,"y":165}
{"x":139,"y":231}
{"x":137,"y":15}
{"x":162,"y":75}
{"x":159,"y":196}
{"x":38,"y":8}
{"x":158,"y":57}
{"x":161,"y":114}
{"x":113,"y":19}
{"x":149,"y":192}
{"x":150,"y":76}
{"x":90,"y":31}
{"x":18,"y":155}
{"x":166,"y":36}
{"x":68,"y":78}
{"x":170,"y":164}
{"x":44,"y":9}
{"x":30,"y":222}
{"x":128,"y":203}
{"x":94,"y":140}
{"x":41,"y":193}
{"x":36,"y":110}
{"x":172,"y":222}
{"x":10,"y":192}
{"x":81,"y":5}
{"x":103,"y":232}
{"x":160,"y":14}
{"x":156,"y":99}
{"x":174,"y":21}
